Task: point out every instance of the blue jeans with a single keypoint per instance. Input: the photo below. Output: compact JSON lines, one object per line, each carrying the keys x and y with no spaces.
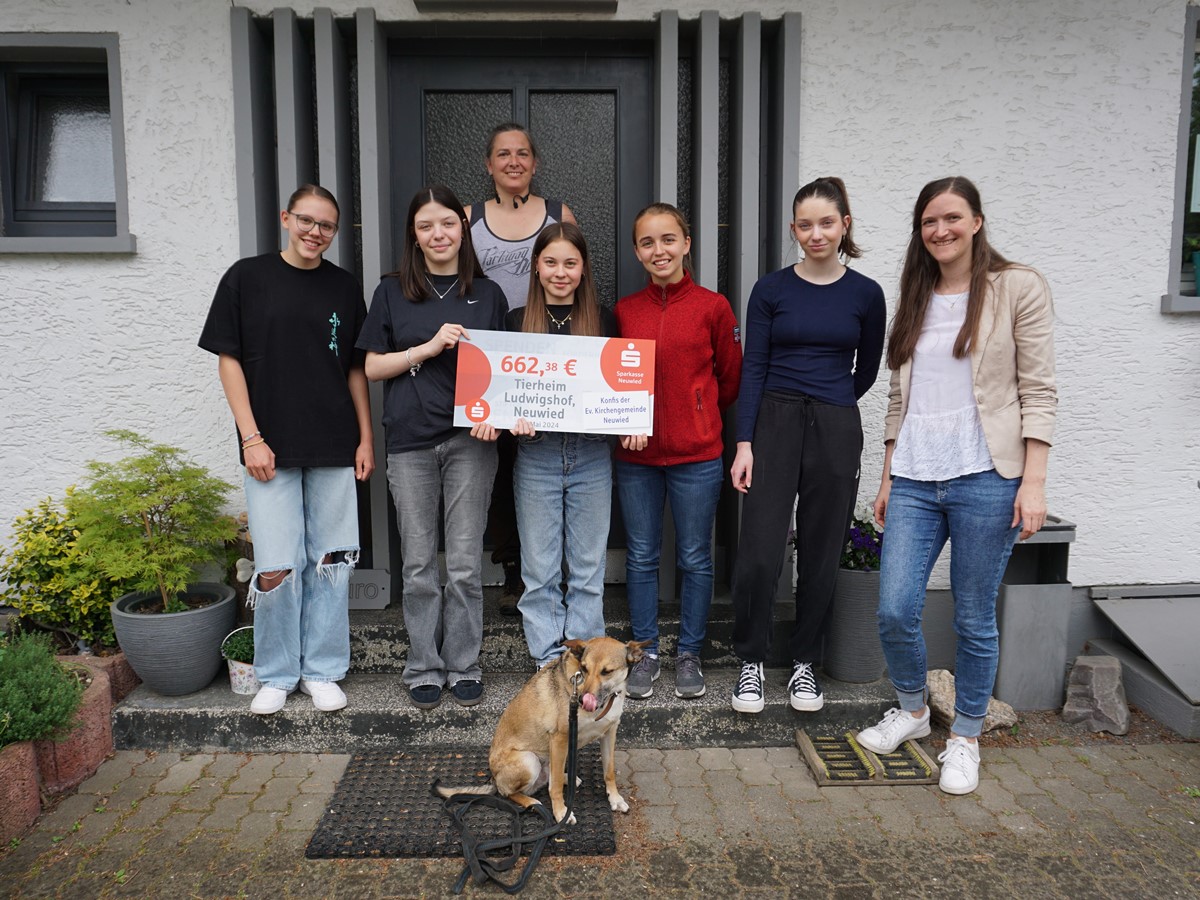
{"x":563,"y":485}
{"x":693,"y":490}
{"x":974,"y":512}
{"x":302,"y":625}
{"x":445,"y":632}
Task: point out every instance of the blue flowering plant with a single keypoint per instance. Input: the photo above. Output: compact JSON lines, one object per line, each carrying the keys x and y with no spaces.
{"x":863,"y":545}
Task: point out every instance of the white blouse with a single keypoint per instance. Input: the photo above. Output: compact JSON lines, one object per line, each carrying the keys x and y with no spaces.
{"x":941,"y":437}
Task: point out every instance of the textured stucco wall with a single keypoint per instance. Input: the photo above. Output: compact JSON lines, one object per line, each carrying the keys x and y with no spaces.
{"x":1065,"y":114}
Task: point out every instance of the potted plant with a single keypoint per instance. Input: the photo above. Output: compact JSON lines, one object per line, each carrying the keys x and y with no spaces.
{"x":38,"y":701}
{"x":852,"y":649}
{"x":151,"y":520}
{"x":238,"y":650}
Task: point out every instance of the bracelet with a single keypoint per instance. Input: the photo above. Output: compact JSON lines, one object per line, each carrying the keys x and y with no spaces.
{"x":250,"y":437}
{"x":413,"y":369}
{"x":254,"y":443}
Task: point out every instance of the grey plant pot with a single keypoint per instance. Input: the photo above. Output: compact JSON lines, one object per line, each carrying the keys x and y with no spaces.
{"x":175,"y":653}
{"x":852,"y":649}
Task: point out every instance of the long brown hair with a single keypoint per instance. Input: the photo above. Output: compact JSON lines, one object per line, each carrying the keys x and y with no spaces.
{"x":833,"y":190}
{"x":921,"y":271}
{"x":685,"y":230}
{"x":585,"y":319}
{"x":412,"y":274}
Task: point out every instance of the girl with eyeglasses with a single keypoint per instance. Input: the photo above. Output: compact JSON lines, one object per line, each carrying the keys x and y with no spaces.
{"x":418,"y":315}
{"x":284,"y":326}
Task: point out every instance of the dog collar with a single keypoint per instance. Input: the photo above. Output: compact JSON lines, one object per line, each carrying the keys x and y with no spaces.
{"x":607,"y":707}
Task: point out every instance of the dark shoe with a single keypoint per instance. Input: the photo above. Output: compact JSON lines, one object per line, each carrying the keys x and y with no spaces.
{"x":514,"y":587}
{"x":425,"y":696}
{"x":804,"y":689}
{"x":748,"y":695}
{"x":467,"y":692}
{"x":639,"y":684}
{"x":689,"y":680}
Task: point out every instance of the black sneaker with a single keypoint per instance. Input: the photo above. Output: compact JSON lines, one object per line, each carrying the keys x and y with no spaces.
{"x":467,"y":692}
{"x":514,"y":587}
{"x":748,"y":694}
{"x":804,"y":689}
{"x":640,"y":683}
{"x":425,"y":696}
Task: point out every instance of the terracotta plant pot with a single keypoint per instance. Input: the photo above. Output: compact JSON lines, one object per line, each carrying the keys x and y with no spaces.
{"x":20,"y":789}
{"x":67,"y":763}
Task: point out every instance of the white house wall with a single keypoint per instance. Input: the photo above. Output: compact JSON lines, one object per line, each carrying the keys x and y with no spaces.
{"x":1064,"y":113}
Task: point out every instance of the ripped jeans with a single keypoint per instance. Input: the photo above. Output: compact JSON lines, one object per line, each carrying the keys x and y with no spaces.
{"x":298,"y":520}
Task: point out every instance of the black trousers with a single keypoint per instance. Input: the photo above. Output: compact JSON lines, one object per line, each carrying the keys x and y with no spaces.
{"x":809,"y":450}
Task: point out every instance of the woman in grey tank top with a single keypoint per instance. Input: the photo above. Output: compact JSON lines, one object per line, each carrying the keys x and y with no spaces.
{"x":504,"y":228}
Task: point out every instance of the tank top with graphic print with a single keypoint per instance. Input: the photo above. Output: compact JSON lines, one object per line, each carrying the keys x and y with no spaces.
{"x":508,"y":262}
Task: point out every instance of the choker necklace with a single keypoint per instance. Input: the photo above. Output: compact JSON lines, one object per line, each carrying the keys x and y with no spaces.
{"x":524,"y":198}
{"x":560,"y":322}
{"x":441,"y":295}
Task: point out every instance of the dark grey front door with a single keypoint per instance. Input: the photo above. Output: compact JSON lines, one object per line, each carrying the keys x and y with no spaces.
{"x":588,"y":106}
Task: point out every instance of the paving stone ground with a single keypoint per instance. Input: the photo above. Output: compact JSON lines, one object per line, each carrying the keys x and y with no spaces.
{"x":1119,"y":820}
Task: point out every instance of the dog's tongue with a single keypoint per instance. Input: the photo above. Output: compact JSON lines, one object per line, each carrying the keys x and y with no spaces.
{"x":589,"y":702}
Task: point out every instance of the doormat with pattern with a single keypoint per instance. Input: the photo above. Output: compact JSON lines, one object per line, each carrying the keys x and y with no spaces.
{"x":382,"y":807}
{"x":843,"y":760}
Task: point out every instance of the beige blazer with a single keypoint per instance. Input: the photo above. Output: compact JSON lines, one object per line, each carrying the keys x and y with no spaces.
{"x":1012,"y":365}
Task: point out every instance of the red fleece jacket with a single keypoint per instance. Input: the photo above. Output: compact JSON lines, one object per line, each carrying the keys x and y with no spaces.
{"x":697,"y":368}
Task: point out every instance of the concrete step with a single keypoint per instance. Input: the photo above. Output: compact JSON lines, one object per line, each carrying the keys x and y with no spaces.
{"x":381,"y":716}
{"x":379,"y":641}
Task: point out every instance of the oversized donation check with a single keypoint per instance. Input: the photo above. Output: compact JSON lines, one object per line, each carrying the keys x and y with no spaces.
{"x":556,"y":382}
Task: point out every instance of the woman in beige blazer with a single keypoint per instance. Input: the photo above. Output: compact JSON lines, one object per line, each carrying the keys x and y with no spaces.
{"x":970,"y":418}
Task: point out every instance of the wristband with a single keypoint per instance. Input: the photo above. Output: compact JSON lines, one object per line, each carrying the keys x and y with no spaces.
{"x":250,"y":437}
{"x":412,"y":369}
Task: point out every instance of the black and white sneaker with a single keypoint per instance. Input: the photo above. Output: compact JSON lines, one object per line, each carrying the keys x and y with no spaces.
{"x":804,"y":690}
{"x":748,"y":694}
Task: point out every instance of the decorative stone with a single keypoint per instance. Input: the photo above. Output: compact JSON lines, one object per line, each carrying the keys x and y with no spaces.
{"x":1096,"y":695}
{"x":121,"y":677}
{"x":941,"y":703}
{"x":67,"y":763}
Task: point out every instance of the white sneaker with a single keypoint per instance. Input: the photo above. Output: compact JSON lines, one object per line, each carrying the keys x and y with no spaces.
{"x":268,"y":700}
{"x":896,"y":727}
{"x":960,"y":766}
{"x":326,"y":695}
{"x":748,"y":695}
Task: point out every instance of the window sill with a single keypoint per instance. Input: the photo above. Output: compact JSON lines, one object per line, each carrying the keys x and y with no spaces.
{"x":1173,"y":304}
{"x":121,"y":243}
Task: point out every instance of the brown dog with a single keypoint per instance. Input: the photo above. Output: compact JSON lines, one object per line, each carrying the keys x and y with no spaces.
{"x":529,"y":749}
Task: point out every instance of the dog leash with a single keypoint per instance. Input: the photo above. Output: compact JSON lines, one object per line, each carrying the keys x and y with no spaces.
{"x":480,"y":864}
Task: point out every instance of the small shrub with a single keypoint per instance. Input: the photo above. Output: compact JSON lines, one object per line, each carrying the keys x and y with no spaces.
{"x":239,"y":645}
{"x":863,"y":544}
{"x":38,"y":697}
{"x":51,"y":583}
{"x":152,"y":518}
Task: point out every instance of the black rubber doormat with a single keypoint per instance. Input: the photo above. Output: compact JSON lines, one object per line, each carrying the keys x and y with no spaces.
{"x":843,"y":760}
{"x":382,"y":807}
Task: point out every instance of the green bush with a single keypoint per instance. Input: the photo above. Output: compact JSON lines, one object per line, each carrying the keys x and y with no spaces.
{"x":239,"y":645}
{"x":151,"y":519}
{"x":38,"y":697}
{"x":51,"y":583}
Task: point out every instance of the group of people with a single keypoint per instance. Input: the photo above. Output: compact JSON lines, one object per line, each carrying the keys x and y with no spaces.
{"x":970,"y":417}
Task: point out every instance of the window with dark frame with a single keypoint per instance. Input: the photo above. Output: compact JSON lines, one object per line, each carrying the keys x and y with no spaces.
{"x":62,"y":178}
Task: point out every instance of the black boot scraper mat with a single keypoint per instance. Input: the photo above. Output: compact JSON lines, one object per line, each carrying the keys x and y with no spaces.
{"x":383,"y":807}
{"x":843,"y":760}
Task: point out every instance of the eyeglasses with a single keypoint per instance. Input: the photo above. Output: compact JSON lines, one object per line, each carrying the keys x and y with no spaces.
{"x":306,"y":223}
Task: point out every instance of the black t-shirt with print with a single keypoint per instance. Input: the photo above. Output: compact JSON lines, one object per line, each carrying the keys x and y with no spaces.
{"x":293,"y":330}
{"x":418,"y":411}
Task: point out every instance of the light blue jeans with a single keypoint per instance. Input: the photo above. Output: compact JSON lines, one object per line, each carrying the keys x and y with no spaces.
{"x":563,"y":486}
{"x":974,"y":512}
{"x":302,"y":625}
{"x":445,"y":631}
{"x":693,"y":490}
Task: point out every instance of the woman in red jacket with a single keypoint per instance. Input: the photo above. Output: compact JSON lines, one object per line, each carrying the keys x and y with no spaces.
{"x":698,"y":361}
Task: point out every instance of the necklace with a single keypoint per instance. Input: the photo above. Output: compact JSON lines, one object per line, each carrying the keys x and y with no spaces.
{"x":441,"y":295}
{"x":952,"y":300}
{"x":560,"y":322}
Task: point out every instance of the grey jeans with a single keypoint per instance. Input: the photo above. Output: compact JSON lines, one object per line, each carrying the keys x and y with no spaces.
{"x":445,"y":630}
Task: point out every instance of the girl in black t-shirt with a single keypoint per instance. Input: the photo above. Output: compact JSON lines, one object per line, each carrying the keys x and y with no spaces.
{"x":284,"y":326}
{"x":418,"y":315}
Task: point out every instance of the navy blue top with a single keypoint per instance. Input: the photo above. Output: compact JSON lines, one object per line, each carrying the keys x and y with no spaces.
{"x":823,"y":340}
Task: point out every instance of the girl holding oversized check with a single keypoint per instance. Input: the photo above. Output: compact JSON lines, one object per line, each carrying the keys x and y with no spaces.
{"x":562,"y":480}
{"x":417,"y":318}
